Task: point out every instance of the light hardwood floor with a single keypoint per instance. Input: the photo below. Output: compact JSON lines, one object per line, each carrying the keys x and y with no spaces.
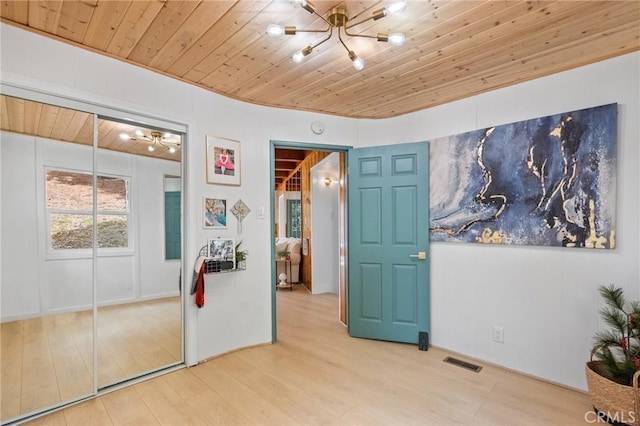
{"x":138,"y":337}
{"x":316,"y":374}
{"x":47,"y":360}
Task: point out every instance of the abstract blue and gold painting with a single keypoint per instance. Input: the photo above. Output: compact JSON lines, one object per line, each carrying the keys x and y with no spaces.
{"x":548,"y":181}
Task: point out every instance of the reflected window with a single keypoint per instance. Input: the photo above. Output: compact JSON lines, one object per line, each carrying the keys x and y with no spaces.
{"x":70,"y":210}
{"x":294,"y":218}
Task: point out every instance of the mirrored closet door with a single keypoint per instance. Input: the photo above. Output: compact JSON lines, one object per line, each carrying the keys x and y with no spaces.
{"x":47,"y":293}
{"x":139,"y":327}
{"x":91,"y":254}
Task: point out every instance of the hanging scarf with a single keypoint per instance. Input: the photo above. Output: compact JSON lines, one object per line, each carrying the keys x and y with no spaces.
{"x":197,"y":285}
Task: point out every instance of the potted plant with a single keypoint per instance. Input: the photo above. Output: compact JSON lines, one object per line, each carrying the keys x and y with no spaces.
{"x":613,"y":376}
{"x":241,"y":256}
{"x":283,"y":254}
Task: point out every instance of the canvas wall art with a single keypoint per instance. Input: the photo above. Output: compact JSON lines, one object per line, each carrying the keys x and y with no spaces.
{"x":548,"y":181}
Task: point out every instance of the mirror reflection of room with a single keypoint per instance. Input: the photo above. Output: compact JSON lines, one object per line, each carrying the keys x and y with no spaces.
{"x":53,"y":269}
{"x":138,"y":282}
{"x":289,"y":231}
{"x":47,"y":315}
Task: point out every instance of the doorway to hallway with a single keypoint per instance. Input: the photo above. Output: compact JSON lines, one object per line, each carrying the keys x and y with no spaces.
{"x":317,"y":173}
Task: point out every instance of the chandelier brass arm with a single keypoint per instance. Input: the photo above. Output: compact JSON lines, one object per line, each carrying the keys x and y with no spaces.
{"x":301,"y":54}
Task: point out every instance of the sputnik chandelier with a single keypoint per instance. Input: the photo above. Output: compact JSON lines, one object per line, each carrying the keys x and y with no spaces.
{"x":158,"y":139}
{"x":339,"y":20}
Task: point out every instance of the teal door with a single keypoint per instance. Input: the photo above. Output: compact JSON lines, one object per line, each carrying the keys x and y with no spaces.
{"x":388,"y":286}
{"x":172,"y":234}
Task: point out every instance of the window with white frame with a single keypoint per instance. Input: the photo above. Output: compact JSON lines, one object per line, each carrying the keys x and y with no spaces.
{"x":70,"y":210}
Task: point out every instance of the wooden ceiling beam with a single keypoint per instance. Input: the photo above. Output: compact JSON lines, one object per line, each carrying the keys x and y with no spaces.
{"x":283,"y":154}
{"x":286,"y":164}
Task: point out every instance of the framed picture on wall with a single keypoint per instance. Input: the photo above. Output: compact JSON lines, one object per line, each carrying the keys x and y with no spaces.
{"x":223,"y":161}
{"x":222,"y":249}
{"x":214,"y":213}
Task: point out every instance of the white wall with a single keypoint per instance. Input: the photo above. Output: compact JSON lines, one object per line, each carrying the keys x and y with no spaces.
{"x":325,"y":201}
{"x":37,"y":281}
{"x":172,"y":184}
{"x":281,"y":214}
{"x":18,"y":175}
{"x":545,"y":298}
{"x":157,"y":277}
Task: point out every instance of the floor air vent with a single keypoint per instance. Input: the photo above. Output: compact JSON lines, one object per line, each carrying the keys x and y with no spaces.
{"x":463,"y":364}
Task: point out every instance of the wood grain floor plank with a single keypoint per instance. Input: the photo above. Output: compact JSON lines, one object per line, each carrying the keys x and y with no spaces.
{"x":201,"y":397}
{"x":148,"y":420}
{"x":53,"y":419}
{"x":294,"y":401}
{"x":302,"y":377}
{"x":166,"y":404}
{"x":317,"y":374}
{"x":251,"y":404}
{"x":92,"y":412}
{"x":49,"y":360}
{"x":126,"y":407}
{"x":138,"y":337}
{"x":11,"y":349}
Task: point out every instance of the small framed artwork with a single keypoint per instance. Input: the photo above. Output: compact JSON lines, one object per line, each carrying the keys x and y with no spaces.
{"x":223,"y":249}
{"x":223,"y":161}
{"x":214,"y":213}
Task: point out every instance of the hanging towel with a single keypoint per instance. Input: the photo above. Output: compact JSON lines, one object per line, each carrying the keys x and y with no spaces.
{"x":197,"y":285}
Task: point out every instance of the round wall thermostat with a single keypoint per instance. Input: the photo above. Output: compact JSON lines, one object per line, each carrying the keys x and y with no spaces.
{"x":317,"y":127}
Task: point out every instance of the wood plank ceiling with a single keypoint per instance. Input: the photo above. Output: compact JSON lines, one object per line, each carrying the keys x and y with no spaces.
{"x":64,"y":124}
{"x":287,"y":162}
{"x":454,"y":49}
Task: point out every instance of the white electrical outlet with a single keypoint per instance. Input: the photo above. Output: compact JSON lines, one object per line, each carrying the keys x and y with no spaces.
{"x":498,"y":334}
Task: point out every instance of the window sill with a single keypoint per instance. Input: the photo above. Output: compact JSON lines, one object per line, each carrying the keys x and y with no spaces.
{"x":83,"y":254}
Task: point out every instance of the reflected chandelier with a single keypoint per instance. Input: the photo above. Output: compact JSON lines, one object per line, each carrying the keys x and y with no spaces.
{"x":338,"y":18}
{"x":157,"y":139}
